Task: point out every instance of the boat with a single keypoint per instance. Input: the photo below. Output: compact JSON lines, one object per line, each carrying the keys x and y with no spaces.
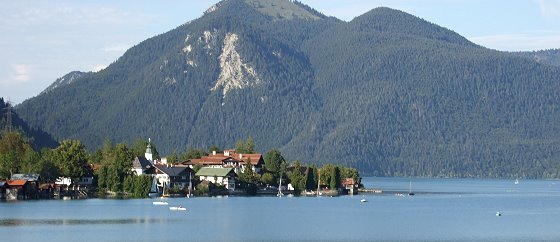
{"x":363,"y":200}
{"x":410,"y":193}
{"x":160,"y":203}
{"x":516,"y":181}
{"x":498,"y":214}
{"x":180,"y":208}
{"x":280,"y":194}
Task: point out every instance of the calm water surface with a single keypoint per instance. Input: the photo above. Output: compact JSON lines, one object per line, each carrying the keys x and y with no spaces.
{"x":442,"y":210}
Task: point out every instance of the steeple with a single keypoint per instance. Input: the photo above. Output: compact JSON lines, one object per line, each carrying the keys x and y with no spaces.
{"x":148,"y":153}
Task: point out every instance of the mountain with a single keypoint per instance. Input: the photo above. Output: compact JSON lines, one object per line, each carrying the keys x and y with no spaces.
{"x":66,"y":79}
{"x":551,"y":57}
{"x":388,"y":93}
{"x":38,"y":138}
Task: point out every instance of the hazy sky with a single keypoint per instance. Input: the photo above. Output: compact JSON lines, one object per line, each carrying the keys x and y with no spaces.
{"x":44,"y":39}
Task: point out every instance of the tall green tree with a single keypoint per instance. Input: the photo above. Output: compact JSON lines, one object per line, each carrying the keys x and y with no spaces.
{"x":71,"y":158}
{"x":245,"y":146}
{"x":310,"y":178}
{"x":297,"y":178}
{"x":273,"y":161}
{"x":194,"y":154}
{"x":13,"y":149}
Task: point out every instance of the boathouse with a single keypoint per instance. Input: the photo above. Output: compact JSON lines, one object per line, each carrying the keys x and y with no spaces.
{"x":219,"y":176}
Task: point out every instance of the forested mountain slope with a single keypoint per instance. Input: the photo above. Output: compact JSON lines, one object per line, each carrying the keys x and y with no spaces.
{"x":387,"y":92}
{"x":551,"y":57}
{"x":37,"y":137}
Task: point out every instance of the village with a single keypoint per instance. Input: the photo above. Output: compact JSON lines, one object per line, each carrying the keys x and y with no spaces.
{"x":227,"y":172}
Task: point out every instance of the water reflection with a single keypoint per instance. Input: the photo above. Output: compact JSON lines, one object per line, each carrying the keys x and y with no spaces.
{"x":31,"y":222}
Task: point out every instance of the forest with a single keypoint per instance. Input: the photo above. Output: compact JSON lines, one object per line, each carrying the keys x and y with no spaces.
{"x":387,"y":93}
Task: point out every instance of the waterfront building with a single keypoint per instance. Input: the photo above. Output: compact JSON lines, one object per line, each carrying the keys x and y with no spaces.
{"x":228,"y":159}
{"x":86,"y":181}
{"x":218,"y":176}
{"x":3,"y":187}
{"x":142,"y":166}
{"x":19,"y":190}
{"x":350,"y":186}
{"x":170,"y":176}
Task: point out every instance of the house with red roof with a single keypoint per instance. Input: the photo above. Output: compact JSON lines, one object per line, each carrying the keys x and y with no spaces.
{"x":228,"y":159}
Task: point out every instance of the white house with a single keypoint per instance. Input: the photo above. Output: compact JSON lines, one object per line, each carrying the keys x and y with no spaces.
{"x":219,"y":176}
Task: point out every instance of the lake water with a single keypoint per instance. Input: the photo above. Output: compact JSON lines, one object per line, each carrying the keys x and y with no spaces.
{"x":443,"y":210}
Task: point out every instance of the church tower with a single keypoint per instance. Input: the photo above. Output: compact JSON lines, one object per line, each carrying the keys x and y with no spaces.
{"x":148,"y":153}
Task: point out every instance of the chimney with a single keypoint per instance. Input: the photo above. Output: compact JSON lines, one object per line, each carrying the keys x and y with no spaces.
{"x":213,"y":152}
{"x":240,"y":156}
{"x":226,"y":152}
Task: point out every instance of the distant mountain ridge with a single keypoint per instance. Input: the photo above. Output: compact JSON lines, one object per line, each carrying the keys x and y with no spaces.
{"x":388,"y":93}
{"x":38,"y":138}
{"x":551,"y":57}
{"x":66,"y":80}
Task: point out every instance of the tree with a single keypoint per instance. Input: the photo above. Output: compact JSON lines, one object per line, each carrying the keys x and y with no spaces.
{"x":245,"y":147}
{"x":71,"y":158}
{"x":139,"y":149}
{"x":334,"y":182}
{"x":268,"y":179}
{"x":173,"y":158}
{"x":116,"y":166}
{"x":273,"y":161}
{"x":297,"y":178}
{"x":249,"y":179}
{"x":13,"y":147}
{"x":194,"y":154}
{"x":214,"y":148}
{"x":310,"y":178}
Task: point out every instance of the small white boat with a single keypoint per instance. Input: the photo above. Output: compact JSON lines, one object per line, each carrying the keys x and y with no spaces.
{"x":498,"y":214}
{"x":160,"y":203}
{"x":363,"y":200}
{"x":516,"y":181}
{"x":180,"y":208}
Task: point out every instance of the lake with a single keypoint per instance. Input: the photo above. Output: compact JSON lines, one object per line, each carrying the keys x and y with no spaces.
{"x":443,"y":210}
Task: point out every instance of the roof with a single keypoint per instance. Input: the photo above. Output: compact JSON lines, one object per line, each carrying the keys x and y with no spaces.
{"x":207,"y":171}
{"x":27,"y":177}
{"x":17,"y":182}
{"x":141,"y":163}
{"x":173,"y":170}
{"x":232,"y":156}
{"x":348,"y":182}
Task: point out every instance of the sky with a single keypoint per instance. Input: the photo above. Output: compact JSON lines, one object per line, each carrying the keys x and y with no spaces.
{"x":44,"y":39}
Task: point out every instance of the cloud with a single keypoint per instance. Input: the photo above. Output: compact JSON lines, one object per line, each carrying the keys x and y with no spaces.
{"x":519,"y":42}
{"x":98,"y":67}
{"x":117,"y":48}
{"x":21,"y":73}
{"x":549,"y":8}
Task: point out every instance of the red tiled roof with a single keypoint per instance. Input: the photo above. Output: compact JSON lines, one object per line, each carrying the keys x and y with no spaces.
{"x":17,"y":182}
{"x":220,"y":158}
{"x":348,"y":181}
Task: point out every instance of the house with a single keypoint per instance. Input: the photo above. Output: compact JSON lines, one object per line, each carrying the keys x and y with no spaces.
{"x":27,"y":190}
{"x":219,"y":176}
{"x":228,"y":159}
{"x":34,"y":178}
{"x":170,"y":176}
{"x":84,"y":182}
{"x":142,"y":166}
{"x":350,"y":186}
{"x":18,"y":190}
{"x":3,"y":187}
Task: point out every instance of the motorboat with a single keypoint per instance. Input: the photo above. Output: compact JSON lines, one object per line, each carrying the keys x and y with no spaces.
{"x":363,"y":200}
{"x":160,"y":203}
{"x":180,"y":208}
